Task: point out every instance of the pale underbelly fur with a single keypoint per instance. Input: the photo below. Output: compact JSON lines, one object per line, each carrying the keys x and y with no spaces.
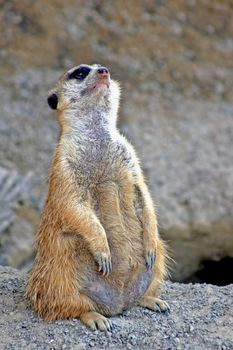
{"x":129,"y":280}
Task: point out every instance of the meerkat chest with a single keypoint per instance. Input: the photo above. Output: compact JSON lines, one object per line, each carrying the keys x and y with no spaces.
{"x":103,"y":161}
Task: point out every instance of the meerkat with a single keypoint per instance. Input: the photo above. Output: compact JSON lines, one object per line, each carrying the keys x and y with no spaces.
{"x":98,"y":247}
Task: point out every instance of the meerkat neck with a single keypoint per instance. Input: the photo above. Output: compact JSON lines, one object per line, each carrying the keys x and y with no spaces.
{"x":91,"y":124}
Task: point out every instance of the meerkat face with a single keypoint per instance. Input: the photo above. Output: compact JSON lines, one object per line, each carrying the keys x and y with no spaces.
{"x":84,"y":86}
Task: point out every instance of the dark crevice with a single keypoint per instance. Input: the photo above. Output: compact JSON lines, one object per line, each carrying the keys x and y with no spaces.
{"x":219,"y":273}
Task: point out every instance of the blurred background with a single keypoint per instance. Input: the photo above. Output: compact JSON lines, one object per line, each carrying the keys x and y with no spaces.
{"x":174,"y":60}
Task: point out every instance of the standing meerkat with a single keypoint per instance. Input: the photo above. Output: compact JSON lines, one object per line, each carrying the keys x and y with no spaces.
{"x":98,"y":247}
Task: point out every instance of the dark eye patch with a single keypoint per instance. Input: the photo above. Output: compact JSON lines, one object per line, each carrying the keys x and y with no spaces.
{"x":80,"y":73}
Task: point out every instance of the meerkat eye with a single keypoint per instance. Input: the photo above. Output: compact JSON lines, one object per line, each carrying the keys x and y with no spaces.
{"x":80,"y":74}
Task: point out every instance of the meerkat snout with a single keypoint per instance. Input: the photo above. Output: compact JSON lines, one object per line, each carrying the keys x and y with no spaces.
{"x":103,"y":71}
{"x":103,"y":77}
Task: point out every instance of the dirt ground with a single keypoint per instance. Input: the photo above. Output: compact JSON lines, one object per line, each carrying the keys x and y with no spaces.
{"x":201,"y":318}
{"x":174,"y":61}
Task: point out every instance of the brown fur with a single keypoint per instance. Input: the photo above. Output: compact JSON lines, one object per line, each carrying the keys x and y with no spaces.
{"x":98,"y":211}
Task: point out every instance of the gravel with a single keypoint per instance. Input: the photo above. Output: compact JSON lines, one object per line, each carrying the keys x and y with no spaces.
{"x":176,"y":109}
{"x":201,"y":318}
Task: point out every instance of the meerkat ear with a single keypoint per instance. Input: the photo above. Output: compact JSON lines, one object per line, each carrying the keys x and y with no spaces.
{"x":52,"y":100}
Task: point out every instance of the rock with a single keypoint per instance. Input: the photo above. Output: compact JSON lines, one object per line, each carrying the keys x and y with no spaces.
{"x":18,"y":215}
{"x":185,"y":151}
{"x":201,"y":317}
{"x":93,"y":31}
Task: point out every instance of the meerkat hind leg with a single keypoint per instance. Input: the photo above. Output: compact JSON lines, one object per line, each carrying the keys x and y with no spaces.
{"x":95,"y":321}
{"x":150,"y":301}
{"x":155,"y":304}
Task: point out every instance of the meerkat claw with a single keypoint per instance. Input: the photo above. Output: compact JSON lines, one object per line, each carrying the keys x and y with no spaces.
{"x":110,"y":266}
{"x":105,"y":265}
{"x":150,"y":259}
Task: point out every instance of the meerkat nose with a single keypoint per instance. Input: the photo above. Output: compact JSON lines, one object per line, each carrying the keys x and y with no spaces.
{"x":103,"y":72}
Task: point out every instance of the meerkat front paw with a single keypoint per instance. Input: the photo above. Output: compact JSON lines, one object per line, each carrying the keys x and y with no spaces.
{"x":150,"y":249}
{"x":150,"y":258}
{"x":104,"y":262}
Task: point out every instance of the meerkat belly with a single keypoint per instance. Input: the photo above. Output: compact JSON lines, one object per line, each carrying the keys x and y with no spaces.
{"x":129,"y":279}
{"x":122,"y":288}
{"x":114,"y":293}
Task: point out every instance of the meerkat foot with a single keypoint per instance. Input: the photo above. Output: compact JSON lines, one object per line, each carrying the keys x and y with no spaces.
{"x":155,"y":304}
{"x":104,"y":263}
{"x":95,"y":321}
{"x":150,"y":259}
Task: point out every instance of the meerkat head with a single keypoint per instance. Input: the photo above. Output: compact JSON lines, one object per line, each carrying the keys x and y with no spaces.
{"x":84,"y":87}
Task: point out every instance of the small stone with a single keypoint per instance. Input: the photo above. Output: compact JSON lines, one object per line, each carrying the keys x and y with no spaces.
{"x":80,"y":346}
{"x":178,"y":345}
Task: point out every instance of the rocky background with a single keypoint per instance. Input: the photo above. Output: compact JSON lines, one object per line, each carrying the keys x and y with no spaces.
{"x":174,"y":60}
